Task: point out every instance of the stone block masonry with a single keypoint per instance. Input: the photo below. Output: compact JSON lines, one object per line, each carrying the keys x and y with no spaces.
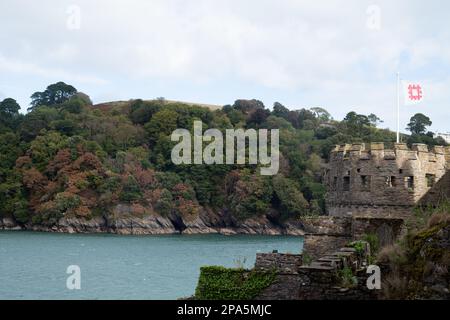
{"x":325,"y":233}
{"x":315,"y":245}
{"x":321,"y":279}
{"x":387,"y":230}
{"x":329,"y":233}
{"x":283,"y":263}
{"x":370,"y":180}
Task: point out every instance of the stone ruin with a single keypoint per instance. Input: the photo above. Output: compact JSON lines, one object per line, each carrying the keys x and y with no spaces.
{"x":319,"y":279}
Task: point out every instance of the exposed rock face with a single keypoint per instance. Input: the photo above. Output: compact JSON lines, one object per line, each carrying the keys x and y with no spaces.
{"x":146,"y":225}
{"x":204,"y":223}
{"x":9,"y":224}
{"x":72,"y":225}
{"x":121,"y":220}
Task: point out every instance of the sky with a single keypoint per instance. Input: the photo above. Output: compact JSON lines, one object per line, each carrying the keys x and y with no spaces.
{"x":340,"y":55}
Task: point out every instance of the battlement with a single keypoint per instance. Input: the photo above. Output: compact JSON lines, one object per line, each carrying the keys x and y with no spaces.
{"x":370,"y":179}
{"x":377,"y":150}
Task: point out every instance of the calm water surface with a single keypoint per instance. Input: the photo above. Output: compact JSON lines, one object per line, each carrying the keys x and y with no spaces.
{"x":33,"y":265}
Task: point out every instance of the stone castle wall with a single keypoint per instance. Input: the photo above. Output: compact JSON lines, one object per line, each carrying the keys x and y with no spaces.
{"x":325,"y":233}
{"x":319,"y":279}
{"x":329,"y":233}
{"x":283,"y":262}
{"x":369,"y":180}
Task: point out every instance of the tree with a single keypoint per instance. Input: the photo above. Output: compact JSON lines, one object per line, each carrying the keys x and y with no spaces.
{"x":374,"y":120}
{"x":9,"y":107}
{"x":321,"y":113}
{"x":290,"y":199}
{"x":236,"y":117}
{"x":9,"y":151}
{"x":357,"y":124}
{"x":162,"y":123}
{"x":294,"y":119}
{"x":249,"y":194}
{"x":131,"y":190}
{"x":83,"y":97}
{"x":55,"y":93}
{"x":307,"y":119}
{"x":45,"y":147}
{"x":354,"y":119}
{"x":418,"y":124}
{"x":280,"y":111}
{"x":65,"y":126}
{"x":273,"y":122}
{"x":9,"y":114}
{"x":141,"y":112}
{"x":248,"y":106}
{"x":258,"y":117}
{"x":37,"y":120}
{"x":74,"y":105}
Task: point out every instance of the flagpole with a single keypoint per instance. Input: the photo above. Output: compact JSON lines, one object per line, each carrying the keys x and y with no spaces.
{"x":398,"y":107}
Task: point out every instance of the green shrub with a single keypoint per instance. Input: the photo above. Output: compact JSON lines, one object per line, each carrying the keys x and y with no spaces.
{"x":373,"y":241}
{"x":165,"y":203}
{"x":21,"y":211}
{"x":307,"y":259}
{"x":359,"y":246}
{"x":220,"y":283}
{"x":131,"y":190}
{"x":348,"y":280}
{"x":66,"y":200}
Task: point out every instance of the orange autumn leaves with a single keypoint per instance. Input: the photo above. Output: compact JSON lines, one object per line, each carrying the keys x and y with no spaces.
{"x":76,"y":183}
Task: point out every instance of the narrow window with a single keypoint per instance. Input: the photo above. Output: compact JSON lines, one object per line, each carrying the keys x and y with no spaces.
{"x":335,"y":180}
{"x":365,"y":183}
{"x":431,"y":180}
{"x":400,"y":171}
{"x":409,"y":183}
{"x":346,"y":185}
{"x":391,"y":181}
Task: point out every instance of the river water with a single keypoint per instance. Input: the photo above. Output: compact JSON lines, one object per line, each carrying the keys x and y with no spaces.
{"x":34,"y":265}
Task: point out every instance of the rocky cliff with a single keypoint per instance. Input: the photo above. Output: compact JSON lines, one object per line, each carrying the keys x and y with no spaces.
{"x":121,"y":220}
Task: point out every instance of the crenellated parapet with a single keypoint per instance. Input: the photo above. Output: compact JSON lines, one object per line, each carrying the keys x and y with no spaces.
{"x":377,"y":151}
{"x":379,"y":180}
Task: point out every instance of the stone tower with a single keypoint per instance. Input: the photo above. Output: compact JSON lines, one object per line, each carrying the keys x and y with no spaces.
{"x":371,"y":181}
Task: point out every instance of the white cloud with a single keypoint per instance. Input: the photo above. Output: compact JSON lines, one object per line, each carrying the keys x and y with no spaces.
{"x":19,"y":67}
{"x":320,"y":48}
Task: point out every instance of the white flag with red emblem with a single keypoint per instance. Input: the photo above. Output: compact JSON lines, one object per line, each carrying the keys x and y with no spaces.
{"x":413,"y":92}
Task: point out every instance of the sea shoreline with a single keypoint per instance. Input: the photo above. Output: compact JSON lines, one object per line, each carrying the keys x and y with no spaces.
{"x":153,"y":226}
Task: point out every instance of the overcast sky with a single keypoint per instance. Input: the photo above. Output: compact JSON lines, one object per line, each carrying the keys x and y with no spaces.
{"x":340,"y":55}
